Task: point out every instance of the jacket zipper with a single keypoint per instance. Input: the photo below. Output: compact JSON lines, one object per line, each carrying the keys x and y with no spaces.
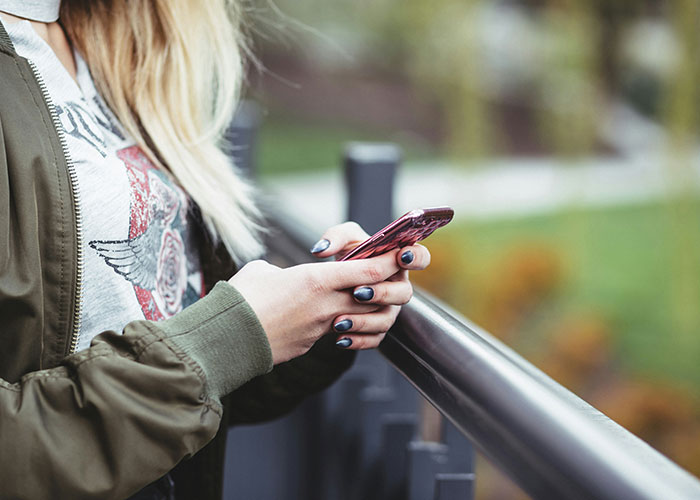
{"x":73,"y":181}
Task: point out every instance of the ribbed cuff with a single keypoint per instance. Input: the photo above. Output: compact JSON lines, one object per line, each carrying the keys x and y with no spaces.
{"x":224,"y":336}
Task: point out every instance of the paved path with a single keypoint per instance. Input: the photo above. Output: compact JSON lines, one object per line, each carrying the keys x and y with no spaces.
{"x":505,"y":188}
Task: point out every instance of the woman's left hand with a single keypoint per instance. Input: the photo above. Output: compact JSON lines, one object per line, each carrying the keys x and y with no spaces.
{"x":387,"y":296}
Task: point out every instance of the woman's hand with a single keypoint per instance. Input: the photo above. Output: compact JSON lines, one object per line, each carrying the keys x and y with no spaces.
{"x":365,"y":330}
{"x":298,"y":305}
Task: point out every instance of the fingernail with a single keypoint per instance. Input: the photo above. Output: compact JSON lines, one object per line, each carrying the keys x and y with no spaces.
{"x":342,"y":326}
{"x":344,"y":343}
{"x":365,"y":293}
{"x":407,"y":257}
{"x":320,"y":246}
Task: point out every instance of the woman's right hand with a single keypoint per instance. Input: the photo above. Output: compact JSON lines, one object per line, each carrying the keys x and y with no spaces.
{"x":297,"y":305}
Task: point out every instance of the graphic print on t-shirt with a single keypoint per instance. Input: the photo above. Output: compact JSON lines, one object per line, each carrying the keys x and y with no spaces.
{"x":79,"y":122}
{"x":154,"y":258}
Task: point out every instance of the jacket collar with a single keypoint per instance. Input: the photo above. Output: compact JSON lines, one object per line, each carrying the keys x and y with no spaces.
{"x":5,"y":40}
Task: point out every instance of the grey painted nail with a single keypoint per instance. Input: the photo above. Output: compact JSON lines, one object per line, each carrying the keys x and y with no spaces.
{"x":407,"y":257}
{"x":320,"y":246}
{"x":342,"y":326}
{"x":344,"y":343}
{"x":365,"y":293}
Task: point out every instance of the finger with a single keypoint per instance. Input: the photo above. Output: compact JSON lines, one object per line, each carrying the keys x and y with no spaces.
{"x":352,"y":273}
{"x":346,"y":302}
{"x":339,"y":238}
{"x":387,"y":293}
{"x":358,"y":342}
{"x":400,"y":276}
{"x":415,"y":257}
{"x":372,"y":323}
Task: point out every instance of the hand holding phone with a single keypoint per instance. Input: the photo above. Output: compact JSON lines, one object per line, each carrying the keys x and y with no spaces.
{"x":408,"y":229}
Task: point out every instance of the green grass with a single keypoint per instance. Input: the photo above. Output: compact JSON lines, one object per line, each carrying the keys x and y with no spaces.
{"x":289,"y":145}
{"x":636,"y":266}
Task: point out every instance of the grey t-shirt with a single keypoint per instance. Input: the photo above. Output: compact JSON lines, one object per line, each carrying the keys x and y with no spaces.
{"x":140,"y":252}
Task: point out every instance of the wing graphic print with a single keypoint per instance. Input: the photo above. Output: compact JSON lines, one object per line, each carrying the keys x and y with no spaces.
{"x":136,"y":259}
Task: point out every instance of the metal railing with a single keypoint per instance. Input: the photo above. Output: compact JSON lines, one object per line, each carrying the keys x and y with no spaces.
{"x":364,"y":442}
{"x":550,"y":442}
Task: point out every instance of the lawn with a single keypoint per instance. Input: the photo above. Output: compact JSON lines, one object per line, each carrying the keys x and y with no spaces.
{"x":635,"y":266}
{"x":288,"y":145}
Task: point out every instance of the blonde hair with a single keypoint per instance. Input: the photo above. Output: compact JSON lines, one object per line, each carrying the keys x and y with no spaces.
{"x":171,"y":72}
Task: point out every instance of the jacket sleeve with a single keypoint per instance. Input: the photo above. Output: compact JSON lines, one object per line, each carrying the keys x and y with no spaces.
{"x":114,"y":417}
{"x":280,"y":391}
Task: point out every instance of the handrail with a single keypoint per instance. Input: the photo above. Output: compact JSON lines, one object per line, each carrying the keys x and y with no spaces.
{"x":548,"y":440}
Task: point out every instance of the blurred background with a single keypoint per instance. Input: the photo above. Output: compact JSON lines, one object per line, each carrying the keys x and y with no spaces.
{"x":565,"y":135}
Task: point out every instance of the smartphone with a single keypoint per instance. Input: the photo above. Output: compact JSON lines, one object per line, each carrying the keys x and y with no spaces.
{"x":408,"y":229}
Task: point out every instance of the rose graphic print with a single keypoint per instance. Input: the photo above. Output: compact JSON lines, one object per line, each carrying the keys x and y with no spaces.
{"x":171,"y":275}
{"x":154,"y":259}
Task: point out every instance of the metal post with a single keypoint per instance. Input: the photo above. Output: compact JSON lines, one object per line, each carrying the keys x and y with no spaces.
{"x":342,"y":429}
{"x":454,"y":486}
{"x":370,"y":169}
{"x":425,"y":460}
{"x":375,"y":401}
{"x":462,"y":454}
{"x":369,"y":173}
{"x":241,"y":137}
{"x":397,"y":432}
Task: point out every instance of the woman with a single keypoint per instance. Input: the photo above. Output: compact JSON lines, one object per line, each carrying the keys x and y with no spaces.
{"x":120,"y":214}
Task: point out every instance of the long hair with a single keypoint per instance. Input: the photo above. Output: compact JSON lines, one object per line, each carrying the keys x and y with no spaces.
{"x":171,"y":72}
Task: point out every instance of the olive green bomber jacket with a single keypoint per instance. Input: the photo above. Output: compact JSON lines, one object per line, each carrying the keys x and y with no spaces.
{"x":104,"y":422}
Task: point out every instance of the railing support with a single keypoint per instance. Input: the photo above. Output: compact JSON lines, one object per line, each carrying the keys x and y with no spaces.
{"x":454,"y":486}
{"x":425,"y":460}
{"x":397,"y":431}
{"x":370,"y":170}
{"x":242,"y":135}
